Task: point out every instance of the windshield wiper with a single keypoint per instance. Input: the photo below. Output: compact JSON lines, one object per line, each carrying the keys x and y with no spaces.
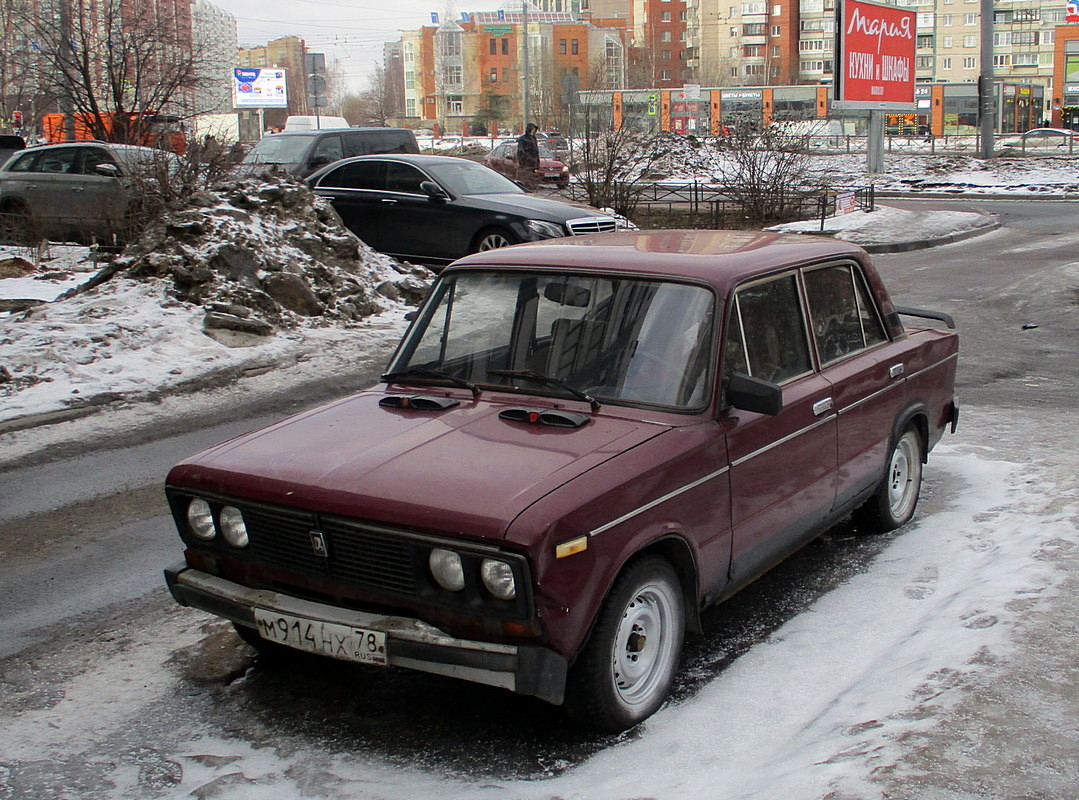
{"x":535,"y":376}
{"x":423,"y":372}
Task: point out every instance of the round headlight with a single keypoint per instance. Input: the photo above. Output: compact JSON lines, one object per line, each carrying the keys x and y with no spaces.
{"x":447,"y":569}
{"x":232,"y":527}
{"x":498,"y":578}
{"x":201,"y":519}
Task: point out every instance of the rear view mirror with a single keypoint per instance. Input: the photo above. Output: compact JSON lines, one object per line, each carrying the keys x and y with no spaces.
{"x":434,"y":191}
{"x":754,"y":394}
{"x":567,"y":294}
{"x":108,"y":170}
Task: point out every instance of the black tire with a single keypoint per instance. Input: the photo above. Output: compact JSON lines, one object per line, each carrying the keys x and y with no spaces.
{"x":16,"y":226}
{"x":896,"y":498}
{"x":626,"y":669}
{"x":491,"y":239}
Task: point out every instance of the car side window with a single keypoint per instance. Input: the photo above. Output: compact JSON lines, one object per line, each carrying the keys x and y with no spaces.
{"x":844,"y":319}
{"x":91,"y":157}
{"x":766,"y":335}
{"x":357,"y":175}
{"x":330,"y":148}
{"x":61,"y":160}
{"x":24,"y":163}
{"x":403,"y":178}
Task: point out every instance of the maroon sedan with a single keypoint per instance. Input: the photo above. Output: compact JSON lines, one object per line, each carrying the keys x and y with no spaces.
{"x":578,"y":446}
{"x":550,"y":171}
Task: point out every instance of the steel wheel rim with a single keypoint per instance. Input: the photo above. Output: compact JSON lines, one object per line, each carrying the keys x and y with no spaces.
{"x":902,"y":477}
{"x":644,"y":645}
{"x":493,"y":241}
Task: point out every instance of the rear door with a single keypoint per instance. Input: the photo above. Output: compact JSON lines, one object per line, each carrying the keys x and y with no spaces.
{"x":102,"y":198}
{"x":864,"y":368}
{"x":356,"y":189}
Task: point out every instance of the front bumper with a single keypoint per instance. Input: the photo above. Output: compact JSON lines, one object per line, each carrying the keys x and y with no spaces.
{"x":410,"y":643}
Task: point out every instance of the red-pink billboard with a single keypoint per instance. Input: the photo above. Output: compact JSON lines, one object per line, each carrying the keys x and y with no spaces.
{"x":874,"y":66}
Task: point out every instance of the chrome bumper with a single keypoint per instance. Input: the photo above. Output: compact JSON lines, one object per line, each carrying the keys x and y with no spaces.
{"x":410,"y":643}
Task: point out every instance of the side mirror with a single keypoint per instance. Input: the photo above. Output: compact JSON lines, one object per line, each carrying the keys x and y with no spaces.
{"x":108,"y":170}
{"x":754,"y":394}
{"x":434,"y":191}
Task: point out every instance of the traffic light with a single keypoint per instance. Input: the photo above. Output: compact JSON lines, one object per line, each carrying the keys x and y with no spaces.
{"x":17,"y":119}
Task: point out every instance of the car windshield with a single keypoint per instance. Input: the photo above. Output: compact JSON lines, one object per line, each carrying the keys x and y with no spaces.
{"x":618,"y":340}
{"x":278,"y":149}
{"x":463,"y":177}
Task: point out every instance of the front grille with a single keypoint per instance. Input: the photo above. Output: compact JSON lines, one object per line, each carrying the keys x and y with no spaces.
{"x":355,"y":554}
{"x":584,"y":225}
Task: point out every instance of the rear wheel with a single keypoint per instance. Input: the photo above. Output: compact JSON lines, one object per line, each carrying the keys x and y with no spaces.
{"x":491,"y":239}
{"x":627,"y":668}
{"x":895,"y":500}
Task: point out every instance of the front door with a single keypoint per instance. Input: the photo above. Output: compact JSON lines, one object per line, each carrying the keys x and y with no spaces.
{"x":783,"y":467}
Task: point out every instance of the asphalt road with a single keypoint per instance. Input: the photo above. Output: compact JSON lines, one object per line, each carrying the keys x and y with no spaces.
{"x":83,"y":538}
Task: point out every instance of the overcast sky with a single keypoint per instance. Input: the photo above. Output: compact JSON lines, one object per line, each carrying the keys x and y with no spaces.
{"x":352,"y":32}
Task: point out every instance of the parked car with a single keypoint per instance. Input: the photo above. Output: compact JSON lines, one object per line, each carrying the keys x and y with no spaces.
{"x":79,"y":190}
{"x":554,"y":141}
{"x":9,"y":144}
{"x":300,"y":153}
{"x":437,"y":208}
{"x":578,"y":446}
{"x":1041,"y":141}
{"x":551,"y":171}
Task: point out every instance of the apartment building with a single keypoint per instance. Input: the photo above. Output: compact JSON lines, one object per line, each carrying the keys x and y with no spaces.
{"x":214,"y":34}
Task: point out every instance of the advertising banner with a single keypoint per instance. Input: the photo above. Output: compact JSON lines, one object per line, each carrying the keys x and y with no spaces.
{"x":874,"y":65}
{"x":259,"y":88}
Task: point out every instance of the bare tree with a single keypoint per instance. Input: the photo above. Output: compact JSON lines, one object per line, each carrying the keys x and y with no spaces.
{"x":111,"y":63}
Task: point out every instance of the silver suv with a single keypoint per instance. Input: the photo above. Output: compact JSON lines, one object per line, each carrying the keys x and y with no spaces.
{"x":80,"y":190}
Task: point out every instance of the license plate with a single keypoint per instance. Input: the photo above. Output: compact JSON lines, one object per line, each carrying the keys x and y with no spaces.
{"x":324,"y":638}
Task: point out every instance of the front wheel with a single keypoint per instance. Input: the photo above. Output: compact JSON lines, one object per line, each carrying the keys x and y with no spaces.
{"x":492,"y":239}
{"x":627,"y":668}
{"x":895,"y":500}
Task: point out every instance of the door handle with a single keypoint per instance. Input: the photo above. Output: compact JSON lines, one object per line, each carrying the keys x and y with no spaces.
{"x":389,"y":201}
{"x":895,"y":370}
{"x":821,"y":406}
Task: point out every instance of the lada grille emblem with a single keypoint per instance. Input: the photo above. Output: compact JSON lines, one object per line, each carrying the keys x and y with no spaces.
{"x":318,"y":543}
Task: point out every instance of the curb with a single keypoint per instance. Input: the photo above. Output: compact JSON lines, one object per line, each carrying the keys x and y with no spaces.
{"x":923,"y":244}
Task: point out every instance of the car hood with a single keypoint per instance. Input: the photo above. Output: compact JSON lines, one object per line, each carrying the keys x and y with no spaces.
{"x":533,"y":205}
{"x":463,"y":470}
{"x":551,"y":163}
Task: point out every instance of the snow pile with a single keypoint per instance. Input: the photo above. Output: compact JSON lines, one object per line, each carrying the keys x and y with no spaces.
{"x":888,"y":225}
{"x":245,"y":277}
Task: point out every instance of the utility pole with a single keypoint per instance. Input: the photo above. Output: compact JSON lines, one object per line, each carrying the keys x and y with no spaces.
{"x":524,"y":60}
{"x":986,"y":102}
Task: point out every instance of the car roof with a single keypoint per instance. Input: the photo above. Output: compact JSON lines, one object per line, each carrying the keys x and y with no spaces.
{"x":722,"y":258}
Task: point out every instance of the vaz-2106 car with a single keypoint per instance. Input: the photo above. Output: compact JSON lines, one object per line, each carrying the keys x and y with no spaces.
{"x":579,"y":445}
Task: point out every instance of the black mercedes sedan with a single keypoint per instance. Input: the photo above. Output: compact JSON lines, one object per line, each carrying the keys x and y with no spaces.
{"x":435,"y":209}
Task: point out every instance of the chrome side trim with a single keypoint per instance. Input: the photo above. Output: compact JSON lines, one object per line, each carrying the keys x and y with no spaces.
{"x":869,"y":397}
{"x":656,"y":502}
{"x":784,"y":440}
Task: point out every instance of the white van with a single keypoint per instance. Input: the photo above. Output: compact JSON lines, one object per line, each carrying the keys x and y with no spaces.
{"x":310,"y":123}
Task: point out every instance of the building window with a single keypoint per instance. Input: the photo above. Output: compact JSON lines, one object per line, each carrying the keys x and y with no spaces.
{"x":455,"y":104}
{"x":665,"y":36}
{"x":410,"y":108}
{"x":970,"y":19}
{"x":453,"y":75}
{"x":754,"y":69}
{"x":776,"y":29}
{"x":754,"y":28}
{"x":925,"y":20}
{"x":494,"y":46}
{"x":752,"y":51}
{"x":410,"y":80}
{"x":924,"y":41}
{"x":1004,"y":60}
{"x":947,"y":42}
{"x":924,"y":62}
{"x":666,"y":74}
{"x":1027,"y":14}
{"x":754,"y":8}
{"x":777,"y":11}
{"x":946,"y":20}
{"x":505,"y":47}
{"x":562,"y":46}
{"x":665,"y":55}
{"x":1025,"y":60}
{"x":946,"y":63}
{"x":665,"y":16}
{"x":970,"y":62}
{"x":683,"y":16}
{"x":1025,"y":37}
{"x":970,"y":41}
{"x":574,"y":47}
{"x":776,"y":51}
{"x":494,"y":74}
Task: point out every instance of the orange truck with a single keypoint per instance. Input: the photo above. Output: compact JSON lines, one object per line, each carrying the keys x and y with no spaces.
{"x":147,"y":129}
